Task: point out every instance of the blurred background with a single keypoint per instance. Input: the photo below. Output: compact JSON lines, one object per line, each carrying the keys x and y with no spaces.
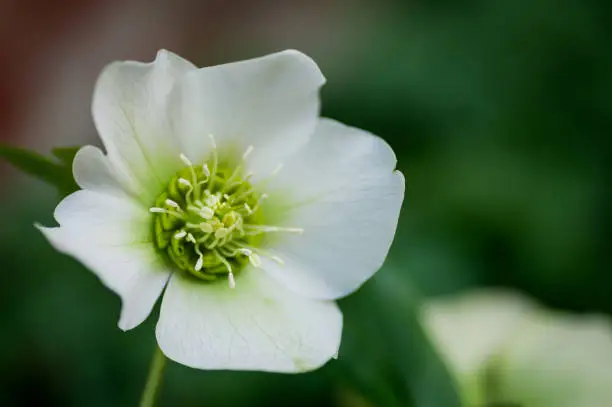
{"x":499,"y":112}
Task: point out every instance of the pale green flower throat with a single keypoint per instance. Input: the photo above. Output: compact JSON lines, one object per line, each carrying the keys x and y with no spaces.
{"x":208,"y":221}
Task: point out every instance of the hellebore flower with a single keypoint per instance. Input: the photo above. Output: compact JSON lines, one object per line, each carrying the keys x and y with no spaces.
{"x":505,"y":351}
{"x":222,"y":188}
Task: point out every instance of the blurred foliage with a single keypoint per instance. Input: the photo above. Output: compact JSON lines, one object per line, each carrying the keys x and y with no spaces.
{"x":498,"y":111}
{"x":385,"y":354}
{"x":56,"y":172}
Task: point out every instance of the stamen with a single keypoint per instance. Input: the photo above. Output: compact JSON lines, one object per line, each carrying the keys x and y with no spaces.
{"x":227,"y":252}
{"x":166,"y":211}
{"x":203,"y":227}
{"x":205,"y":170}
{"x":215,"y":163}
{"x":212,"y":141}
{"x":266,"y":229}
{"x":212,"y":200}
{"x":190,"y":238}
{"x":260,"y":183}
{"x":199,"y":184}
{"x":206,"y":213}
{"x":262,"y":198}
{"x":221,"y":233}
{"x":255,"y":260}
{"x":277,"y":169}
{"x":248,"y":151}
{"x":186,"y":160}
{"x":213,"y":244}
{"x":179,"y":235}
{"x":173,"y":204}
{"x":203,"y":239}
{"x":206,"y":227}
{"x":200,"y":261}
{"x":236,"y":171}
{"x":230,"y":275}
{"x":194,"y":178}
{"x":244,"y":249}
{"x":188,"y":184}
{"x":278,"y":260}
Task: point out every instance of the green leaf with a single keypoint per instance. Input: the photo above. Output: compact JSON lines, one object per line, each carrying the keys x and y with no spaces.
{"x":65,"y":154}
{"x":56,"y":171}
{"x":386,"y":355}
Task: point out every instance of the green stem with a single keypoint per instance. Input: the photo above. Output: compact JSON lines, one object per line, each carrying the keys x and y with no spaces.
{"x":156,"y":372}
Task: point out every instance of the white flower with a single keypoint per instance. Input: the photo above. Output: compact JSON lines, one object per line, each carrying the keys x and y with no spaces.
{"x":222,"y":186}
{"x":504,"y":350}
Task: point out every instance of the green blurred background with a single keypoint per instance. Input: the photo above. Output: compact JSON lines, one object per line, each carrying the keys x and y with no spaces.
{"x":498,"y":111}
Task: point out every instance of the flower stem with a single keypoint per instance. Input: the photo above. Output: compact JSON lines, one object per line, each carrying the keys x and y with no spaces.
{"x":156,"y":372}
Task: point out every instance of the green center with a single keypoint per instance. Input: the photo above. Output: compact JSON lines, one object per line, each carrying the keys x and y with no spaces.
{"x":206,"y":221}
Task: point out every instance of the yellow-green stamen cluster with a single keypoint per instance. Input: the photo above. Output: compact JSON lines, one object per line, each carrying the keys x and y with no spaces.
{"x":207,"y":220}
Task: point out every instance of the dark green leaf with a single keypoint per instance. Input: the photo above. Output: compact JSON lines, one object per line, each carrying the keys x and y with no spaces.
{"x":65,"y":154}
{"x":55,"y":172}
{"x":386,"y":355}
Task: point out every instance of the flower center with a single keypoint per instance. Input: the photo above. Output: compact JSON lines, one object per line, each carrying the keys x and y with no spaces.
{"x":208,"y":222}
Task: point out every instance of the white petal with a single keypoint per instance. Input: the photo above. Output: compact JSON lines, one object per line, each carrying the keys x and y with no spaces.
{"x":112,"y":237}
{"x":470,"y":329}
{"x":130,"y":110}
{"x":259,"y":325}
{"x":93,"y":171}
{"x":271,"y":103}
{"x":559,"y":360}
{"x":342,"y":190}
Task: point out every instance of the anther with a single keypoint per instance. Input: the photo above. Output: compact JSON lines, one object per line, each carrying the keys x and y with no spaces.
{"x":173,"y":204}
{"x":212,"y":200}
{"x":262,"y":198}
{"x":206,"y":227}
{"x":277,"y":169}
{"x":255,"y":260}
{"x":212,"y":141}
{"x":207,"y":213}
{"x":180,"y":235}
{"x":246,"y":252}
{"x":190,"y":238}
{"x":231,"y":281}
{"x":206,"y":170}
{"x":199,"y":263}
{"x":248,"y":151}
{"x":183,"y":181}
{"x":162,"y":210}
{"x":186,"y":160}
{"x":278,"y":260}
{"x":221,"y":233}
{"x":265,"y":228}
